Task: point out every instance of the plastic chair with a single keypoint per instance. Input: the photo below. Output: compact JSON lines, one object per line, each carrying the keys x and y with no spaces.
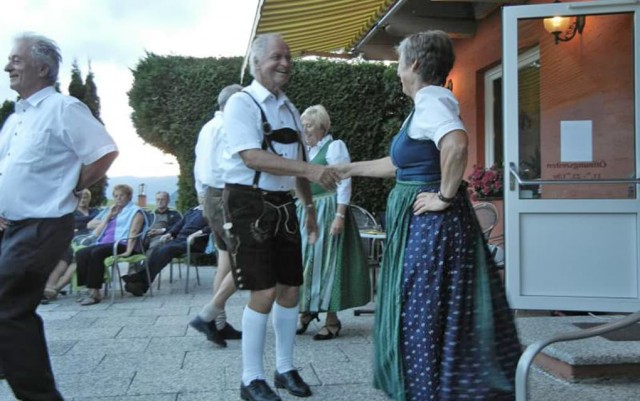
{"x":487,"y":215}
{"x":373,"y":247}
{"x":111,"y":263}
{"x":192,"y":259}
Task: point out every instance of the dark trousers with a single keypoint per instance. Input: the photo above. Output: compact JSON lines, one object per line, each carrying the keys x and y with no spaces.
{"x":29,"y":251}
{"x":90,"y":264}
{"x":162,"y":255}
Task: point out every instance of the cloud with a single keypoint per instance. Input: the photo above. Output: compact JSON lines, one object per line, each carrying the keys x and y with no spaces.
{"x":114,"y":35}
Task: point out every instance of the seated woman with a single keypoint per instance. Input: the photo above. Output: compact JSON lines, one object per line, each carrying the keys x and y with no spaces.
{"x":62,"y":273}
{"x":120,"y":223}
{"x":84,"y":214}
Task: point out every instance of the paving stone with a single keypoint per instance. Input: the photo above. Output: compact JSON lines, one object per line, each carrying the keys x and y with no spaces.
{"x":152,"y":331}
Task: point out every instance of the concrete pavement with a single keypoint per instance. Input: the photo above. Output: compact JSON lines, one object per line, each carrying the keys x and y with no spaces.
{"x":141,"y":349}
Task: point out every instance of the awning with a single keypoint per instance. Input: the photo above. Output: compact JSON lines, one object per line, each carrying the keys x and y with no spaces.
{"x":319,"y":26}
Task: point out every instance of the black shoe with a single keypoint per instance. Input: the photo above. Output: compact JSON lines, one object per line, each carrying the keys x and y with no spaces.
{"x":229,"y":333}
{"x":135,"y":288}
{"x":292,"y":381}
{"x":258,"y":390}
{"x":208,"y":330}
{"x":134,"y":278}
{"x":305,"y":319}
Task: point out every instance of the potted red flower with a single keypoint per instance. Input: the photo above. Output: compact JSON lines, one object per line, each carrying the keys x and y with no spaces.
{"x":486,"y":183}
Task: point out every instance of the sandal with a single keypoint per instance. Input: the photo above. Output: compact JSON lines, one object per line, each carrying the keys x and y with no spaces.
{"x":90,"y":301}
{"x":305,"y":319}
{"x":333,"y":331}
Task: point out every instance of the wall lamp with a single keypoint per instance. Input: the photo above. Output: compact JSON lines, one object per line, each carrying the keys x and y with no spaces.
{"x":564,"y":29}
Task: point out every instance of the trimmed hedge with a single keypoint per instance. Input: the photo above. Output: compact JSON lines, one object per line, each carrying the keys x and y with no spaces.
{"x":172,"y":97}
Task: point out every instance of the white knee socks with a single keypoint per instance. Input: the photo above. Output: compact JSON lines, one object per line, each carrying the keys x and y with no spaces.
{"x":254,"y":328}
{"x":285,"y":321}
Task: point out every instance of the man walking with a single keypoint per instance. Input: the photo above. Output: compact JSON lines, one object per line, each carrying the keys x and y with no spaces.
{"x":210,"y":151}
{"x":263,"y":136}
{"x":50,"y":149}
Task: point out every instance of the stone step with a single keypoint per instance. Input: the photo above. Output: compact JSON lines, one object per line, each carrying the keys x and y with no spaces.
{"x":617,"y":356}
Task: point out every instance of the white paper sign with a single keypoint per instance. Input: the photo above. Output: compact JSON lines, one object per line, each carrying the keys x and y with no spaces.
{"x":576,"y":141}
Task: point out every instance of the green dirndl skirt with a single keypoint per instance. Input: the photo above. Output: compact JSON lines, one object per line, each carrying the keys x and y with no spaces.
{"x":336,"y":273}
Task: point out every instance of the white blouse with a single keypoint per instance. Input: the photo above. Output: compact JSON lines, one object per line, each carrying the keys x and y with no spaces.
{"x":336,"y":153}
{"x":436,"y":114}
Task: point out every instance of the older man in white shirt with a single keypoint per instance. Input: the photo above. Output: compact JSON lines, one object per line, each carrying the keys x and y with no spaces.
{"x":50,"y":149}
{"x":212,"y":319}
{"x":263,"y":136}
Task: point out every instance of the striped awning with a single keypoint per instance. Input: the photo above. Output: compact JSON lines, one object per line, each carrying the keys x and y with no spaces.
{"x":319,"y":26}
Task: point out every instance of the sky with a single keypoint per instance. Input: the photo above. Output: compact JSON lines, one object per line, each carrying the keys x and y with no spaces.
{"x":113,"y":35}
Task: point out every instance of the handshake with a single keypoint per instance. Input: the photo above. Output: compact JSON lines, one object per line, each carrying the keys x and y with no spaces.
{"x":328,"y":177}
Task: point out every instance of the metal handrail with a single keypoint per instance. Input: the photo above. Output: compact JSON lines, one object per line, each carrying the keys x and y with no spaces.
{"x":532,"y":350}
{"x":514,"y":172}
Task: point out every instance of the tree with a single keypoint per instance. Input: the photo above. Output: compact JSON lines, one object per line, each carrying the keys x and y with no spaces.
{"x":172,"y":97}
{"x":91,"y":98}
{"x":5,"y":111}
{"x":76,"y":86}
{"x":87,"y":93}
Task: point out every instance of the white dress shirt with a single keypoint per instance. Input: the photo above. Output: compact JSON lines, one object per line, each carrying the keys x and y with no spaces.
{"x":43,"y":146}
{"x":207,"y":169}
{"x":243,"y":128}
{"x":336,"y":153}
{"x":436,"y":114}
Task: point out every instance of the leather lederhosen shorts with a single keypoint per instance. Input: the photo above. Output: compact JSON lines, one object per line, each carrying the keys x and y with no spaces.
{"x":264,"y":237}
{"x":214,"y":213}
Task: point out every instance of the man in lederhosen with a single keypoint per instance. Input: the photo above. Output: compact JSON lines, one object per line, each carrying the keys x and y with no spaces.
{"x":263,"y":138}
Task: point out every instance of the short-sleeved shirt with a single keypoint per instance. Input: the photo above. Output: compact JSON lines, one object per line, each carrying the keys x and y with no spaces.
{"x":207,"y":169}
{"x":436,"y":114}
{"x":243,"y":131}
{"x":43,"y":146}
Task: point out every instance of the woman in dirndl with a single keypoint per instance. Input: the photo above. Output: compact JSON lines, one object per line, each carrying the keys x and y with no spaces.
{"x":443,"y":328}
{"x":336,"y":275}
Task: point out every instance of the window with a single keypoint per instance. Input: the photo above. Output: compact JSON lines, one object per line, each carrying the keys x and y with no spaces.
{"x":529,"y":103}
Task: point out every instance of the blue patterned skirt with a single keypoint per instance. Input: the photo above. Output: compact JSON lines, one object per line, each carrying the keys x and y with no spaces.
{"x":444,"y":330}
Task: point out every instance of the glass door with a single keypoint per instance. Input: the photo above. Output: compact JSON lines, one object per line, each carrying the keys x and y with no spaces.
{"x":571,"y":147}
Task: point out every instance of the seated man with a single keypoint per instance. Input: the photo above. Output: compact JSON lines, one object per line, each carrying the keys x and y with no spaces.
{"x":173,"y":244}
{"x":165,"y":218}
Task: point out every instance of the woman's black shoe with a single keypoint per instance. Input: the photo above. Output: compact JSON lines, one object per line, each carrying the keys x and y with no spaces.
{"x":333,"y":331}
{"x":305,"y":320}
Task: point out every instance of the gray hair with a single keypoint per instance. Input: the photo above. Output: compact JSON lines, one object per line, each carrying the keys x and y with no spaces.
{"x":259,"y":48}
{"x":226,"y":93}
{"x":433,"y":50}
{"x":43,"y":51}
{"x":317,"y":115}
{"x":164,"y":193}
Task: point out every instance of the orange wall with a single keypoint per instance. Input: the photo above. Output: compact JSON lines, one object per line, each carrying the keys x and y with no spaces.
{"x":588,"y":78}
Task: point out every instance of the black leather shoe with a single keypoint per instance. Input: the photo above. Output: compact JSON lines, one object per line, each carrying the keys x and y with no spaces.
{"x":208,"y":330}
{"x":292,"y":381}
{"x":258,"y":390}
{"x":229,"y":333}
{"x":136,"y":288}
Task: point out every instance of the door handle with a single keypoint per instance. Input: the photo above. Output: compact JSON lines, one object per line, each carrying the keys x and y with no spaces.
{"x":514,"y":176}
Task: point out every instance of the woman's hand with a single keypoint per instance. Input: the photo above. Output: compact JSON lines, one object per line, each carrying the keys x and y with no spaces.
{"x":113,"y":212}
{"x":337,"y":226}
{"x":125,"y":254}
{"x":428,"y":202}
{"x":343,"y":169}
